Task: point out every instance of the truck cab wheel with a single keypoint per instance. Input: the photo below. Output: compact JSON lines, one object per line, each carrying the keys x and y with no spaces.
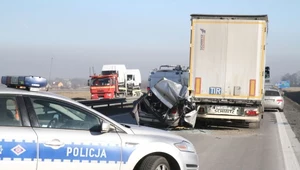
{"x":155,"y":162}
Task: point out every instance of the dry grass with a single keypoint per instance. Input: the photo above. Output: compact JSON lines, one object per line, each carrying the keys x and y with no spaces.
{"x":75,"y":94}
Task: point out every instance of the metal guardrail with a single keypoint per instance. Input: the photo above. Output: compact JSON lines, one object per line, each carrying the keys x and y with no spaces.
{"x":107,"y":102}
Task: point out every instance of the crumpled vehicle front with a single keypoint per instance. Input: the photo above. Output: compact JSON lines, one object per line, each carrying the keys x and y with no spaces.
{"x":156,"y":106}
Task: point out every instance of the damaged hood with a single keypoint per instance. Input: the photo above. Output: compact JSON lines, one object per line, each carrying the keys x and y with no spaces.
{"x":169,"y":92}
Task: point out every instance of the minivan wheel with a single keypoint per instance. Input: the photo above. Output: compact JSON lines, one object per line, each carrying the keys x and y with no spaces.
{"x":155,"y":162}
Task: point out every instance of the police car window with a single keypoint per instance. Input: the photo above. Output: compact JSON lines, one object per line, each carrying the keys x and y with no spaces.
{"x":60,"y":116}
{"x":9,"y":112}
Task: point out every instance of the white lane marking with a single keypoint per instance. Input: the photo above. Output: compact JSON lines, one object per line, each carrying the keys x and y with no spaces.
{"x":118,"y":115}
{"x":290,"y":160}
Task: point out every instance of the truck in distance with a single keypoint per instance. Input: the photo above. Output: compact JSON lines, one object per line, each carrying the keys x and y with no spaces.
{"x":113,"y":83}
{"x":134,"y":82}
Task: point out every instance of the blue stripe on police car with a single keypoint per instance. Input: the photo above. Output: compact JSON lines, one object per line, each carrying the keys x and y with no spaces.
{"x":70,"y":152}
{"x":22,"y":150}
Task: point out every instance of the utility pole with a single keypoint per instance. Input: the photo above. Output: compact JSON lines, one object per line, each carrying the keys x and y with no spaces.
{"x":93,"y":71}
{"x":50,"y":69}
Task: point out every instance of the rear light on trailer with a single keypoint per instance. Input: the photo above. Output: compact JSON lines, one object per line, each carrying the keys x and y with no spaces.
{"x":251,"y":113}
{"x":148,"y":88}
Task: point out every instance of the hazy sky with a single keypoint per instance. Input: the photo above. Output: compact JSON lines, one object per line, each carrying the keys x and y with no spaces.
{"x":140,"y":34}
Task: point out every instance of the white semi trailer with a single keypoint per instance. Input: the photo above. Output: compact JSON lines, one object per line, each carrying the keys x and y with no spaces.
{"x":227,"y":67}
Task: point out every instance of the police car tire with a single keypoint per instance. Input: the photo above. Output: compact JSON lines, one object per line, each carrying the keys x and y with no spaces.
{"x":153,"y":161}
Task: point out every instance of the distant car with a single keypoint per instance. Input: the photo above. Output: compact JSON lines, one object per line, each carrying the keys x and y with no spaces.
{"x":273,"y":100}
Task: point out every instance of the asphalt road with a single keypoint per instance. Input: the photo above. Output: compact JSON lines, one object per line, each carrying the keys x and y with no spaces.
{"x":221,"y":147}
{"x":274,"y":146}
{"x":293,"y":114}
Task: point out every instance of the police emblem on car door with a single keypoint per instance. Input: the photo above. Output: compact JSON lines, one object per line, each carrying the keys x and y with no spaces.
{"x":71,"y":138}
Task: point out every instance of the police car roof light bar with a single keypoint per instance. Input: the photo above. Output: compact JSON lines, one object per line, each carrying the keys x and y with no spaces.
{"x":31,"y":83}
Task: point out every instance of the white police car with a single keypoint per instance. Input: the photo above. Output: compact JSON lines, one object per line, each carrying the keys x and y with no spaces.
{"x":44,"y":131}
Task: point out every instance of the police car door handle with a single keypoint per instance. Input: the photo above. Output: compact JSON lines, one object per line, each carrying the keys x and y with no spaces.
{"x":54,"y":142}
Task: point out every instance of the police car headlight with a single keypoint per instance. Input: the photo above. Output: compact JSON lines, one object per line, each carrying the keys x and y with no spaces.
{"x":185,"y":146}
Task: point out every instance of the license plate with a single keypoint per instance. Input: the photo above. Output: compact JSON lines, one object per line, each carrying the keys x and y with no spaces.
{"x":270,"y":100}
{"x":223,"y":110}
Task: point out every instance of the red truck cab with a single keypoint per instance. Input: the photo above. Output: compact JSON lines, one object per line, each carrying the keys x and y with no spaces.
{"x":104,"y":86}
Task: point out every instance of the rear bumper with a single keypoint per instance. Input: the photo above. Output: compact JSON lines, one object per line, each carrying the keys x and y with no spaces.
{"x":250,"y":119}
{"x":273,"y":106}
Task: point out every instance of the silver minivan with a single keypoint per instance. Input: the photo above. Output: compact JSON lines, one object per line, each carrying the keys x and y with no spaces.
{"x":273,"y":100}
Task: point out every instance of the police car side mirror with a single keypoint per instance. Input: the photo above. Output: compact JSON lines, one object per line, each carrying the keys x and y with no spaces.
{"x":105,"y":127}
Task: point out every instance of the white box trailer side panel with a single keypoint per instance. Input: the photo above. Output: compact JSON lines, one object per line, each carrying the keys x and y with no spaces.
{"x":227,"y":58}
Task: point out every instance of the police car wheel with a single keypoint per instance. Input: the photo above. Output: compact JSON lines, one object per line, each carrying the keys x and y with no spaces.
{"x":154,"y":162}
